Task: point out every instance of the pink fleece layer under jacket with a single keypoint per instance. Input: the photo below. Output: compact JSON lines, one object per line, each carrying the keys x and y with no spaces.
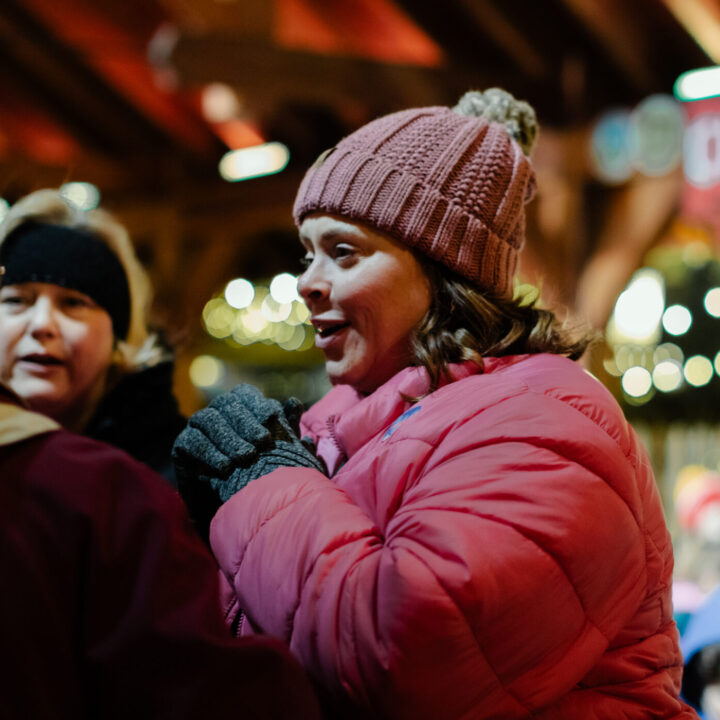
{"x":495,"y":550}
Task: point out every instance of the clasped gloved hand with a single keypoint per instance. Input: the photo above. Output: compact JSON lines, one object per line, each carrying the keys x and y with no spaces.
{"x":240,"y":436}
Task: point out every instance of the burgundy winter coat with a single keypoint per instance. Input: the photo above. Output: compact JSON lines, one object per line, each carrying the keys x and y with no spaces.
{"x":109,"y":603}
{"x":495,"y":550}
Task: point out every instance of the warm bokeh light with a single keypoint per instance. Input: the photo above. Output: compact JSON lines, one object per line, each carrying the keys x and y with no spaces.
{"x":712,"y":301}
{"x":219,"y":102}
{"x":274,"y":311}
{"x":668,"y":351}
{"x":283,"y":288}
{"x":677,"y":320}
{"x":698,"y":370}
{"x":298,"y":339}
{"x":253,"y":162}
{"x":254,"y":321}
{"x":206,"y":371}
{"x":299,"y":315}
{"x":246,"y":313}
{"x":716,"y":363}
{"x":84,"y":196}
{"x":611,"y":367}
{"x":239,"y":293}
{"x":637,"y":382}
{"x":639,"y":308}
{"x":667,"y":375}
{"x":218,"y":317}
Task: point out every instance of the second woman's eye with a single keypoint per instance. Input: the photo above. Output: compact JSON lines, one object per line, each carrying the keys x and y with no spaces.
{"x":306,"y":261}
{"x":12,"y":300}
{"x":77,"y":301}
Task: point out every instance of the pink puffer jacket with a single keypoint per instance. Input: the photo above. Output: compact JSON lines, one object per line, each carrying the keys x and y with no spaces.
{"x":495,"y":550}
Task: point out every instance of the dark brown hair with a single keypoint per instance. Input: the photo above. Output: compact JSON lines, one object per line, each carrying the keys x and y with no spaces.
{"x":466,"y":323}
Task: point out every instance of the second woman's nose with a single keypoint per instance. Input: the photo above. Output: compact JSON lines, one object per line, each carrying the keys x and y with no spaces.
{"x":43,"y":320}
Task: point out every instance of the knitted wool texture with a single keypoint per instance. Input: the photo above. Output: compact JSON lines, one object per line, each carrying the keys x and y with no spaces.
{"x":450,"y":186}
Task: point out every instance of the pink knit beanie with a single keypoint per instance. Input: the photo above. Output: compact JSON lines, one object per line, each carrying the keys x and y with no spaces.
{"x":451,"y":183}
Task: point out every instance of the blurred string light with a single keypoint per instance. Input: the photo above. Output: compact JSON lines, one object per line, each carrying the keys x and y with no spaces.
{"x":667,"y":375}
{"x":677,"y":320}
{"x":252,"y":162}
{"x":712,"y":302}
{"x":637,"y":381}
{"x":284,"y":288}
{"x":246,"y":313}
{"x":206,"y":371}
{"x":239,"y":293}
{"x":644,"y":363}
{"x":639,"y":309}
{"x":698,"y":84}
{"x":83,"y":195}
{"x":698,"y":370}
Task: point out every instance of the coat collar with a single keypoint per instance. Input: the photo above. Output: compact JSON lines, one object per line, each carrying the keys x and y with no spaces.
{"x":17,"y":424}
{"x":346,"y":419}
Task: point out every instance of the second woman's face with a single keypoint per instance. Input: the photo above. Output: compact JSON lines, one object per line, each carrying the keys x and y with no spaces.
{"x":366,"y":294}
{"x":56,"y":347}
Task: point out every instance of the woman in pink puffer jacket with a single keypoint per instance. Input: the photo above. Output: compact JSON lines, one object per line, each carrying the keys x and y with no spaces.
{"x":484,"y":536}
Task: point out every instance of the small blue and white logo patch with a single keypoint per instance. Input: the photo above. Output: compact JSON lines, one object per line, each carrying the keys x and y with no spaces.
{"x":408,"y":413}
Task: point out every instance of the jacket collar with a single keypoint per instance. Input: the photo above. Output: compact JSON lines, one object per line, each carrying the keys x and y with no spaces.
{"x":351,"y":419}
{"x":18,"y":424}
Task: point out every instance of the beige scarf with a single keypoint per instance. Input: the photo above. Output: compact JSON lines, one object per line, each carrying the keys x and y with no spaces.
{"x":17,"y":424}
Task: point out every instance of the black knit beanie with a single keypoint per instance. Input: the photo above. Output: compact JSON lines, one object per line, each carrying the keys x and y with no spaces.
{"x":72,"y":258}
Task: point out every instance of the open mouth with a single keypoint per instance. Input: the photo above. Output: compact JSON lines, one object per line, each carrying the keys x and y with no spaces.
{"x":331,"y":330}
{"x":42,"y":360}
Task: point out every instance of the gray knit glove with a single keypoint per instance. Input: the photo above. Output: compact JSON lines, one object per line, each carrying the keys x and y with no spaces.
{"x":240,"y":436}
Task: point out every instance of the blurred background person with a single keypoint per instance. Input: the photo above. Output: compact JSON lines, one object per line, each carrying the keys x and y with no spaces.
{"x":110,"y":602}
{"x":74,"y":338}
{"x":480,"y":533}
{"x":701,"y":648}
{"x":697,"y":540}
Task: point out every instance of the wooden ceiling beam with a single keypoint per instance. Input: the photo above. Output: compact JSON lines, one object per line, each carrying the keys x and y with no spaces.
{"x":267,"y":73}
{"x":702,"y":21}
{"x":519,"y":47}
{"x":500,"y":41}
{"x":625,"y":40}
{"x":58,"y":80}
{"x":249,"y":17}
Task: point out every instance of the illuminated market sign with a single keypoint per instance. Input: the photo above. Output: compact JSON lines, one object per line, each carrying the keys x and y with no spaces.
{"x":700,"y":92}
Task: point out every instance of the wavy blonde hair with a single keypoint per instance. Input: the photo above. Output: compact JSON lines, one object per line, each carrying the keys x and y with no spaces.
{"x":140,"y":347}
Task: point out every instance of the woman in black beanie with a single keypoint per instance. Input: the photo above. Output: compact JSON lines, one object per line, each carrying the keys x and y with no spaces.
{"x":74,"y":339}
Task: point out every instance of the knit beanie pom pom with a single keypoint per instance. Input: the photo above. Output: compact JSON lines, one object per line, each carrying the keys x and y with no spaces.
{"x":497,"y":105}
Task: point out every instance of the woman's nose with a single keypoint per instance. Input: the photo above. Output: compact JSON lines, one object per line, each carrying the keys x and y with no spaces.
{"x":43,"y":319}
{"x":313,"y":285}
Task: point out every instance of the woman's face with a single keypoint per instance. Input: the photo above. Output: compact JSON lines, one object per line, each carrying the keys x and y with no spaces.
{"x":366,"y":294}
{"x":56,"y":346}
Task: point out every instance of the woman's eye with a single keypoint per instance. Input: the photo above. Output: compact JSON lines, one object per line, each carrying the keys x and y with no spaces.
{"x":306,"y":261}
{"x":76,"y":302}
{"x":343,"y":252}
{"x":13,"y":300}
